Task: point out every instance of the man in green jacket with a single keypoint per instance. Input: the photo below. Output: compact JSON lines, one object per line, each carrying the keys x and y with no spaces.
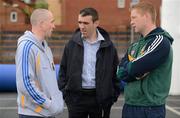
{"x":147,"y":66}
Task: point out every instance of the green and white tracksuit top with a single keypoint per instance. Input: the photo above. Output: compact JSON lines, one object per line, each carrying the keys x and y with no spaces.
{"x":147,"y":67}
{"x":38,"y":93}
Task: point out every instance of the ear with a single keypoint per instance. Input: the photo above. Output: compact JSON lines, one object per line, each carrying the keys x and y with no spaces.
{"x":147,"y":15}
{"x":41,"y":24}
{"x":96,"y":23}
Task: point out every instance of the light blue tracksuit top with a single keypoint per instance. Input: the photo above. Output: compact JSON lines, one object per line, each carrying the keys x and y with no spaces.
{"x":38,"y":93}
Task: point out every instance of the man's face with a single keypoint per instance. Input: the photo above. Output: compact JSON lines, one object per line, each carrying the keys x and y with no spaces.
{"x":138,"y":21}
{"x":87,"y":26}
{"x":48,"y":25}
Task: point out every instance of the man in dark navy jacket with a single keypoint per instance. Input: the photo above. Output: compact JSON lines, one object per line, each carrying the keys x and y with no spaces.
{"x":88,"y":69}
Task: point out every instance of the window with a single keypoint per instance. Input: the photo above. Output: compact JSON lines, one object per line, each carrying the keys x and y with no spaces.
{"x":133,"y":2}
{"x":13,"y":16}
{"x":121,"y":3}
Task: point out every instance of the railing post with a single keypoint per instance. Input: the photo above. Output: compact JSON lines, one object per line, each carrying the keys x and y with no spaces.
{"x":132,"y":35}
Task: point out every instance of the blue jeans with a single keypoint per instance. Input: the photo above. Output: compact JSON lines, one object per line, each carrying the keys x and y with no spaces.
{"x":26,"y":116}
{"x":130,"y":111}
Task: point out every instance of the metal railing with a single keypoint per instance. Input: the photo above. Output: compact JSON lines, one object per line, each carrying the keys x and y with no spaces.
{"x":8,"y":42}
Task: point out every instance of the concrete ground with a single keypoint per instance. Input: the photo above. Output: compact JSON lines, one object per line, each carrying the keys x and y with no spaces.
{"x":8,"y":107}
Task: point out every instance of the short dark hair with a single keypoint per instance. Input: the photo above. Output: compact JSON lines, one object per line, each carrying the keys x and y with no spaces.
{"x":90,"y":12}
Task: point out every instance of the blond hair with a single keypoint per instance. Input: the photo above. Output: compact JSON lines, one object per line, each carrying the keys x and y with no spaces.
{"x":146,"y":7}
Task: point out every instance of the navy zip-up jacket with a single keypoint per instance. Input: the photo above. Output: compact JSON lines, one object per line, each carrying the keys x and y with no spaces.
{"x":70,"y":79}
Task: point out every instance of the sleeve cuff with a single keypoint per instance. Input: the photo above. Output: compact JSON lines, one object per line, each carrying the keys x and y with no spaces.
{"x":47,"y":104}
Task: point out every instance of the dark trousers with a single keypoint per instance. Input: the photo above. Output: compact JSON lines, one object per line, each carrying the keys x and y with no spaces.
{"x":130,"y":111}
{"x":84,"y":105}
{"x":106,"y":111}
{"x":26,"y":116}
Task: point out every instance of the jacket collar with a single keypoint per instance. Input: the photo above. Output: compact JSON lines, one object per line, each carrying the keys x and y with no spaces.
{"x":159,"y":31}
{"x":29,"y":36}
{"x":104,"y":43}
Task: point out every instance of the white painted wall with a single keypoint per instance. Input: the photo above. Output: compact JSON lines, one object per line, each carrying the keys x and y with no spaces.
{"x":170,"y":21}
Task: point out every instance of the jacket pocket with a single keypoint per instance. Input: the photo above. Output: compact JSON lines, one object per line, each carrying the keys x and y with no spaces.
{"x":57,"y":104}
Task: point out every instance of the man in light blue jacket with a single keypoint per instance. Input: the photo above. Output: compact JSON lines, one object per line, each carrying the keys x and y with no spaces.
{"x":38,"y":93}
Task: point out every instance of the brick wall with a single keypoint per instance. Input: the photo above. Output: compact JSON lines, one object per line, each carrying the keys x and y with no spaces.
{"x":112,"y":18}
{"x":5,"y":11}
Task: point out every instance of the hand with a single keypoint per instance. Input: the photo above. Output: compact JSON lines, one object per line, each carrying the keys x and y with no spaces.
{"x":121,"y":73}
